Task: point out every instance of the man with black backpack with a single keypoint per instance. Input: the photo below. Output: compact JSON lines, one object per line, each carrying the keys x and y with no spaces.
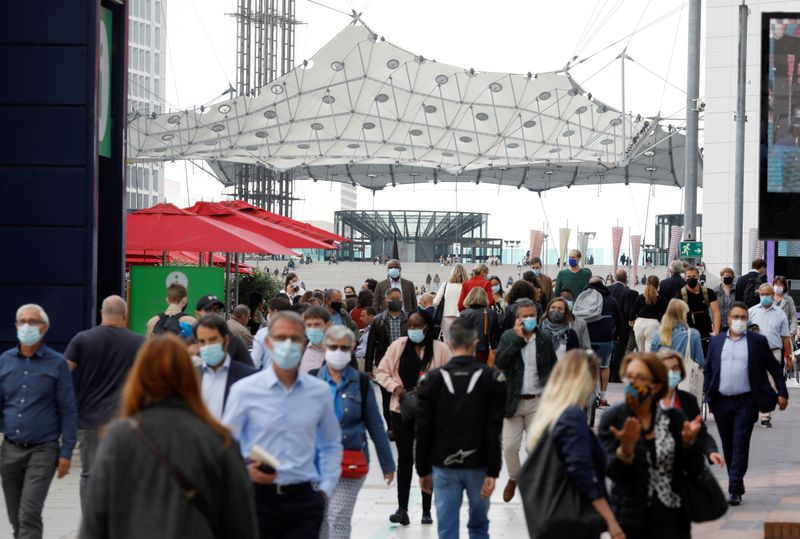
{"x":459,"y":421}
{"x":703,"y":308}
{"x":170,"y":320}
{"x":747,"y":285}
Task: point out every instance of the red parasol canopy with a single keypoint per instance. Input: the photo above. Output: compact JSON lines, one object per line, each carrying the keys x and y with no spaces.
{"x":273,"y":231}
{"x":305,"y":228}
{"x":139,"y":257}
{"x":166,"y":227}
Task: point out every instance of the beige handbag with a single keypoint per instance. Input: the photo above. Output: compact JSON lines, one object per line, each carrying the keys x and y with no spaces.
{"x":694,"y":373}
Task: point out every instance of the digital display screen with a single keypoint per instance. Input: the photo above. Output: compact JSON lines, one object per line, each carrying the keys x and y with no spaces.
{"x":779,"y":152}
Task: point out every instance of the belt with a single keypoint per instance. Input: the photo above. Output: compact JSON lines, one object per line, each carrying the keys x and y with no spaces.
{"x":284,"y":490}
{"x":24,"y":445}
{"x":529,"y":397}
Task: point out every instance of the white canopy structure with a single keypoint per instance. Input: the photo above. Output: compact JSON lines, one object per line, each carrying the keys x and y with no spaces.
{"x":367,"y":112}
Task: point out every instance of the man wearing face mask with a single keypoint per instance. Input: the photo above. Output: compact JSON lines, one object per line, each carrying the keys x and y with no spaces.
{"x":317,"y":320}
{"x":773,"y":325}
{"x":38,"y":407}
{"x":545,"y":282}
{"x":737,"y":388}
{"x":217,"y":372}
{"x":339,"y":315}
{"x":406,"y":287}
{"x":526,"y":357}
{"x":574,"y":276}
{"x":306,"y":442}
{"x":703,"y":309}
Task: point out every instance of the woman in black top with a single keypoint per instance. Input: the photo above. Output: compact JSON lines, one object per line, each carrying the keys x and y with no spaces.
{"x":649,"y":451}
{"x":647,"y":312}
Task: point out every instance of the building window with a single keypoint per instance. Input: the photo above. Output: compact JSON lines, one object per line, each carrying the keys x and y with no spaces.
{"x":157,"y":38}
{"x":155,"y":182}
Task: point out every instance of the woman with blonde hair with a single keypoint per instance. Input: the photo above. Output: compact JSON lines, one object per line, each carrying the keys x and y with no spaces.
{"x":646,"y":313}
{"x":483,"y":320}
{"x":676,"y":334}
{"x":449,"y":294}
{"x":167,"y":468}
{"x":561,"y":414}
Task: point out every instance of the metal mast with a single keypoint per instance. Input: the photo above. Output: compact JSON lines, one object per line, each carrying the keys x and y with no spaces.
{"x":265,"y":45}
{"x":741,"y":118}
{"x":692,"y":120}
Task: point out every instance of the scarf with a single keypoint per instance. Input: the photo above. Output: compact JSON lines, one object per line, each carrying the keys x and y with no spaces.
{"x":558,"y":331}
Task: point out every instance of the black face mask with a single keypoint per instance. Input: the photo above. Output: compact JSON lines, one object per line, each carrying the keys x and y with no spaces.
{"x":336,"y":306}
{"x":692,"y":282}
{"x":727,"y":280}
{"x":395,"y":305}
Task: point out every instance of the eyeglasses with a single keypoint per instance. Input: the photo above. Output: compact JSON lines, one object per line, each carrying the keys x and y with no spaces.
{"x":35,"y":323}
{"x":637,"y":378}
{"x":342,"y":347}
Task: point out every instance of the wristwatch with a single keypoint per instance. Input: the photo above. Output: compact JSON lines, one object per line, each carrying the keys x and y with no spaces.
{"x":626,"y":459}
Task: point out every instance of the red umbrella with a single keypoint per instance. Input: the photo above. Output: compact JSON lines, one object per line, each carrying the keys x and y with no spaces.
{"x":305,"y":228}
{"x":138,"y":257}
{"x":168,"y":228}
{"x":273,"y":231}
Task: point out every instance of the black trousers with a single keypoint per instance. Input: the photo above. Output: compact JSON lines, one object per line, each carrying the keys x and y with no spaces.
{"x":404,"y":438}
{"x":735,"y":417}
{"x":386,"y":398}
{"x":289,"y":516}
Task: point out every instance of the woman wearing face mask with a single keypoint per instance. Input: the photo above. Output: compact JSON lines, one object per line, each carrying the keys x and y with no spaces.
{"x":683,"y":400}
{"x":556,"y":323}
{"x":649,"y":450}
{"x":561,"y":415}
{"x":398,"y":372}
{"x":726,"y":295}
{"x":357,"y":411}
{"x":292,"y":288}
{"x":646,"y":313}
{"x":675,"y":330}
{"x":783,"y":300}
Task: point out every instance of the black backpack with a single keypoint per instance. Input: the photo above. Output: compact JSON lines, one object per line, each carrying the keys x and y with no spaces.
{"x":168,"y":323}
{"x":750,"y":294}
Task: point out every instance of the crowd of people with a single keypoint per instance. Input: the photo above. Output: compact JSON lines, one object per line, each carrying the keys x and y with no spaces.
{"x":253,"y":421}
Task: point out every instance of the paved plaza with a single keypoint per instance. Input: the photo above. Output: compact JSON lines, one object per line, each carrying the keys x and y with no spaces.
{"x":773,"y":493}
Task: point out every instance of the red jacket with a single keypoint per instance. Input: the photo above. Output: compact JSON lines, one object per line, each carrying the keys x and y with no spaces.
{"x":474,"y":282}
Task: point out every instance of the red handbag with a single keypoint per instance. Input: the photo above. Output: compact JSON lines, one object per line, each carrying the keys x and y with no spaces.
{"x":354,"y":464}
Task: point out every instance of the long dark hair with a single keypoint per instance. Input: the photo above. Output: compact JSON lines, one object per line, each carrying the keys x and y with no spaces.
{"x":520,"y":289}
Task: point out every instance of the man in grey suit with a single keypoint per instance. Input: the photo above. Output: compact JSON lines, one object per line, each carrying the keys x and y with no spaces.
{"x":395,"y":281}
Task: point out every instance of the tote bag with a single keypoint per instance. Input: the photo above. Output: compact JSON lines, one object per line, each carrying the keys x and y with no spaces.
{"x":694,"y":373}
{"x":553,"y":507}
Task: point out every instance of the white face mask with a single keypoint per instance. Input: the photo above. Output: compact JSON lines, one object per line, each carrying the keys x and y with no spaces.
{"x":778,"y":289}
{"x":337,"y":359}
{"x":739,"y":326}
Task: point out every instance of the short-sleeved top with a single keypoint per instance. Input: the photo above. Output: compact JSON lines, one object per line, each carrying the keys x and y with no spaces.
{"x":699,"y":316}
{"x":104,"y":355}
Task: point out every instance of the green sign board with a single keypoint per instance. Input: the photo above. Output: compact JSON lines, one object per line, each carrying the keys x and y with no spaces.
{"x":104,"y":84}
{"x":148,"y":289}
{"x":691,"y":249}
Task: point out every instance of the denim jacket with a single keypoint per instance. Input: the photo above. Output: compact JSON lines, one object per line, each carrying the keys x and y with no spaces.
{"x":354,"y":424}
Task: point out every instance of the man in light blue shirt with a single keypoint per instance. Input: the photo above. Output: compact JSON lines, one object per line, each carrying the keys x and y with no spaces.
{"x":290,"y":415}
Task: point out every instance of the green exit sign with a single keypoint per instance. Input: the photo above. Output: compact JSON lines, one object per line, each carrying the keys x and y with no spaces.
{"x":691,"y":249}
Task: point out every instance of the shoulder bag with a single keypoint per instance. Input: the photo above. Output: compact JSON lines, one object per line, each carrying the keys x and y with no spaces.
{"x":694,"y":374}
{"x":354,"y":461}
{"x":703,"y":497}
{"x":408,"y":405}
{"x":553,"y":507}
{"x":439,"y":314}
{"x":490,"y":358}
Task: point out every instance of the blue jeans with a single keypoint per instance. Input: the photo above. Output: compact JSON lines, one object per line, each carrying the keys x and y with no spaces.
{"x":448,"y":486}
{"x":604,"y":351}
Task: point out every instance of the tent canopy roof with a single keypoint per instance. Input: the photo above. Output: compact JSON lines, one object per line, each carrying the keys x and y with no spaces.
{"x":366,"y":112}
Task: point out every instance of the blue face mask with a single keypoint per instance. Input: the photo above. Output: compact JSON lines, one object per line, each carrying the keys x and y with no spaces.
{"x":537,"y":272}
{"x":573,"y":262}
{"x":674,"y":378}
{"x":28,"y":335}
{"x":286,"y":354}
{"x":315,"y":335}
{"x":416,"y":335}
{"x":496,"y":289}
{"x":528,"y":324}
{"x":394,"y":273}
{"x":766,"y":301}
{"x":212,"y":354}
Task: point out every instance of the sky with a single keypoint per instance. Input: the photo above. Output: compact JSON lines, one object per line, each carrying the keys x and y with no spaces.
{"x":512,"y":36}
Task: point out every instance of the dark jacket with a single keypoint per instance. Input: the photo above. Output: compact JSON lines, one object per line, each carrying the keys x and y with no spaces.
{"x":609,"y":327}
{"x":760,"y":362}
{"x":131,"y":494}
{"x":629,"y":489}
{"x":744,"y":280}
{"x":626,"y":298}
{"x":488,"y":329}
{"x":236,"y":372}
{"x":459,"y":427}
{"x":671,"y":286}
{"x":691,"y":409}
{"x":409,"y":296}
{"x":378,"y":339}
{"x":509,"y":360}
{"x":582,"y":453}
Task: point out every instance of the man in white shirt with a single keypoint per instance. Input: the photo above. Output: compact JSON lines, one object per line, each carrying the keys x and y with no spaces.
{"x":218,"y":373}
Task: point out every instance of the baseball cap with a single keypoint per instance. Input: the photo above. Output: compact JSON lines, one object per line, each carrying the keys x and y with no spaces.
{"x":208,"y":302}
